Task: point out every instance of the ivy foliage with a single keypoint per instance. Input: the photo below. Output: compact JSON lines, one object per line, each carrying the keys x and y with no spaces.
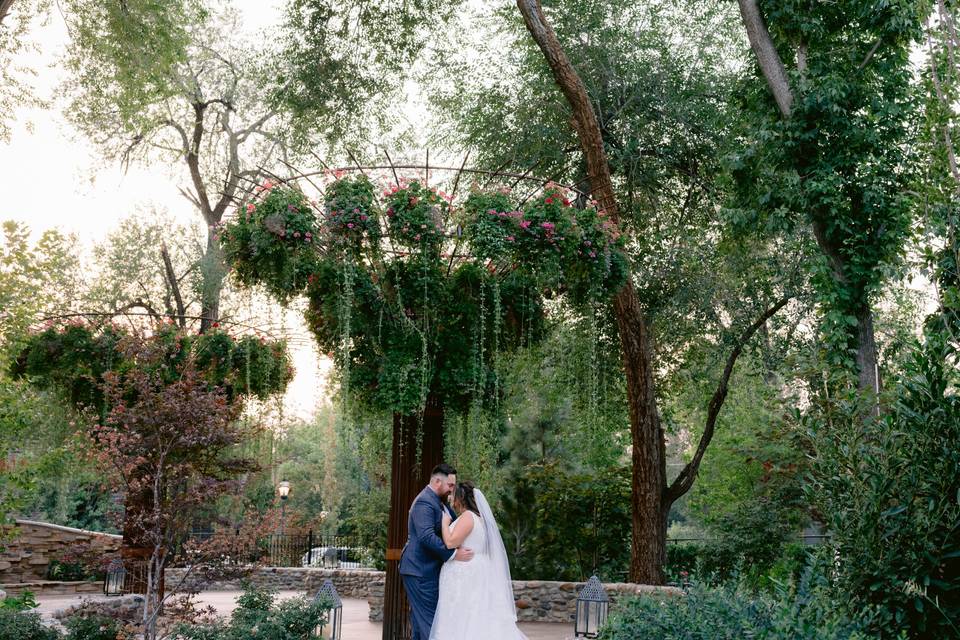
{"x":417,"y":296}
{"x":841,"y":161}
{"x":76,"y":357}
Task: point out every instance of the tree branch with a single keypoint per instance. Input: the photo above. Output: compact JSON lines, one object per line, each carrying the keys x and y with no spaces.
{"x":684,"y":480}
{"x":767,"y":57}
{"x":193,"y":163}
{"x":4,"y":9}
{"x":584,"y":117}
{"x":173,"y":283}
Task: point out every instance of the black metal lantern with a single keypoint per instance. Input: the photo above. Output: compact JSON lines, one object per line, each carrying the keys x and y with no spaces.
{"x":332,"y":629}
{"x":593,"y":604}
{"x":116,"y":575}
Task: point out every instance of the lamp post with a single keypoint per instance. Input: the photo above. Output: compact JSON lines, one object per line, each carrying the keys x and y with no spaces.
{"x":592,"y":606}
{"x":283,"y":489}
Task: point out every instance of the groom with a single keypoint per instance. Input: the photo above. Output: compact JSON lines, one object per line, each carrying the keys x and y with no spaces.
{"x":425,"y":552}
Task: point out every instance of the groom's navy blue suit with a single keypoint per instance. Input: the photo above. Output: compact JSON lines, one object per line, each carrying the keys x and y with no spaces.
{"x":422,"y":558}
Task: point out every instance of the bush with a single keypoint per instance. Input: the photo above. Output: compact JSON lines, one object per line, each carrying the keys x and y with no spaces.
{"x":568,"y":526}
{"x":731,"y":611}
{"x":92,"y":627}
{"x":890,"y":488}
{"x":719,"y":561}
{"x":23,"y":602}
{"x":19,"y":625}
{"x":257,"y":617}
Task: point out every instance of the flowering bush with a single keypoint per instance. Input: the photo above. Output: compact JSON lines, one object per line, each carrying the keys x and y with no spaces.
{"x":560,"y":246}
{"x":351,"y":210}
{"x":415,"y":216}
{"x":426,"y":313}
{"x":273,"y":234}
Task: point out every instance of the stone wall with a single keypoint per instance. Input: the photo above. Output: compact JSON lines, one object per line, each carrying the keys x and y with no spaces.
{"x":537,"y":600}
{"x":545,"y":601}
{"x":26,"y":556}
{"x":350,"y":583}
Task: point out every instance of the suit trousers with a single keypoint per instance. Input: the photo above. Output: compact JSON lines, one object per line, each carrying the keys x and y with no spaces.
{"x":423,"y":594}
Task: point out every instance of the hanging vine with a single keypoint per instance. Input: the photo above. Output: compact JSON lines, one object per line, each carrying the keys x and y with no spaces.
{"x":418,"y":295}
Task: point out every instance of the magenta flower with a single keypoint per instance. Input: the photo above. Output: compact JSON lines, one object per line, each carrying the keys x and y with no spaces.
{"x":349,"y":225}
{"x":524,"y":224}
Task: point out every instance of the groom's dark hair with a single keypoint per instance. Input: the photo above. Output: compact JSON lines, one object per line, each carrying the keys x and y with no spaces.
{"x":443,"y":469}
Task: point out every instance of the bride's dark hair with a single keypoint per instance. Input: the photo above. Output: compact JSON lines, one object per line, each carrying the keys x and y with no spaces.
{"x":464,"y":495}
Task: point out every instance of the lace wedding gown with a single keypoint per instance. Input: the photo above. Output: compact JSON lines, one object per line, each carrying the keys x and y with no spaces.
{"x":476,"y":599}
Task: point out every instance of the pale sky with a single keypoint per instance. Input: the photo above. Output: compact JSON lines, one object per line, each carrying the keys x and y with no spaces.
{"x":55,"y":179}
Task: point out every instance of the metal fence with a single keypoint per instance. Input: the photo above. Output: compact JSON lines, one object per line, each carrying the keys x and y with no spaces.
{"x":306,"y":550}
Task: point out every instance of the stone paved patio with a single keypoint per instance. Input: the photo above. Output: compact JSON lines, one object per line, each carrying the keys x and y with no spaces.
{"x":356,"y":626}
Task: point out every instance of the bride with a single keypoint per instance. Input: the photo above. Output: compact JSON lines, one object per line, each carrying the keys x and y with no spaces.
{"x":476,"y":597}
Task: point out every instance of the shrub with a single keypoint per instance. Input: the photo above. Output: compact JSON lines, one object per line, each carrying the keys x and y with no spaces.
{"x":731,"y":611}
{"x":889,"y":488}
{"x":23,"y":602}
{"x":257,"y":617}
{"x":19,"y":625}
{"x":92,"y":627}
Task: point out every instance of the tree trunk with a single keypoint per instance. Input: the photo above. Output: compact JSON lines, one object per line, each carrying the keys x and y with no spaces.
{"x":649,"y":482}
{"x":408,"y":477}
{"x":867,"y":358}
{"x":213,"y":272}
{"x":135,"y":549}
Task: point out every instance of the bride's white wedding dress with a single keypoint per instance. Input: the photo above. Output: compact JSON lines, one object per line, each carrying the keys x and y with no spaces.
{"x":476,"y":597}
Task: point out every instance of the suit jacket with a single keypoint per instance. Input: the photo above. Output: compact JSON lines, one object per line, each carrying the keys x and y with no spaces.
{"x":425,"y":552}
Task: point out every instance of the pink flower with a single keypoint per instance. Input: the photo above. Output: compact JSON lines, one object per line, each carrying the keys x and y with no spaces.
{"x":548,"y":201}
{"x":593,"y":255}
{"x":356,"y":210}
{"x":251,"y":208}
{"x":549,"y":226}
{"x":349,"y":225}
{"x":308,"y":234}
{"x":414,"y":200}
{"x":524,"y":224}
{"x":510,"y":238}
{"x":492,"y":212}
{"x":296,"y":234}
{"x":416,"y":237}
{"x":363,"y":218}
{"x":587,"y":242}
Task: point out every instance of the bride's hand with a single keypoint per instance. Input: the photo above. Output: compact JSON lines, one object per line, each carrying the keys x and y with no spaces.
{"x":446,"y":519}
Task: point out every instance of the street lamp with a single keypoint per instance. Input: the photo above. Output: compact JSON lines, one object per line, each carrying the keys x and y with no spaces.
{"x":592,"y":606}
{"x":283,"y":489}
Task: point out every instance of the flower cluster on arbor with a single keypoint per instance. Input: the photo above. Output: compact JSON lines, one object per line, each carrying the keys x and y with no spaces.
{"x":414,"y":291}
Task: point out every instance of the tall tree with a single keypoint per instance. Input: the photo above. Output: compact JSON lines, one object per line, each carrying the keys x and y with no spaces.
{"x":644,"y":141}
{"x":170,"y":82}
{"x":17,"y":17}
{"x":831,"y":149}
{"x":940,"y":182}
